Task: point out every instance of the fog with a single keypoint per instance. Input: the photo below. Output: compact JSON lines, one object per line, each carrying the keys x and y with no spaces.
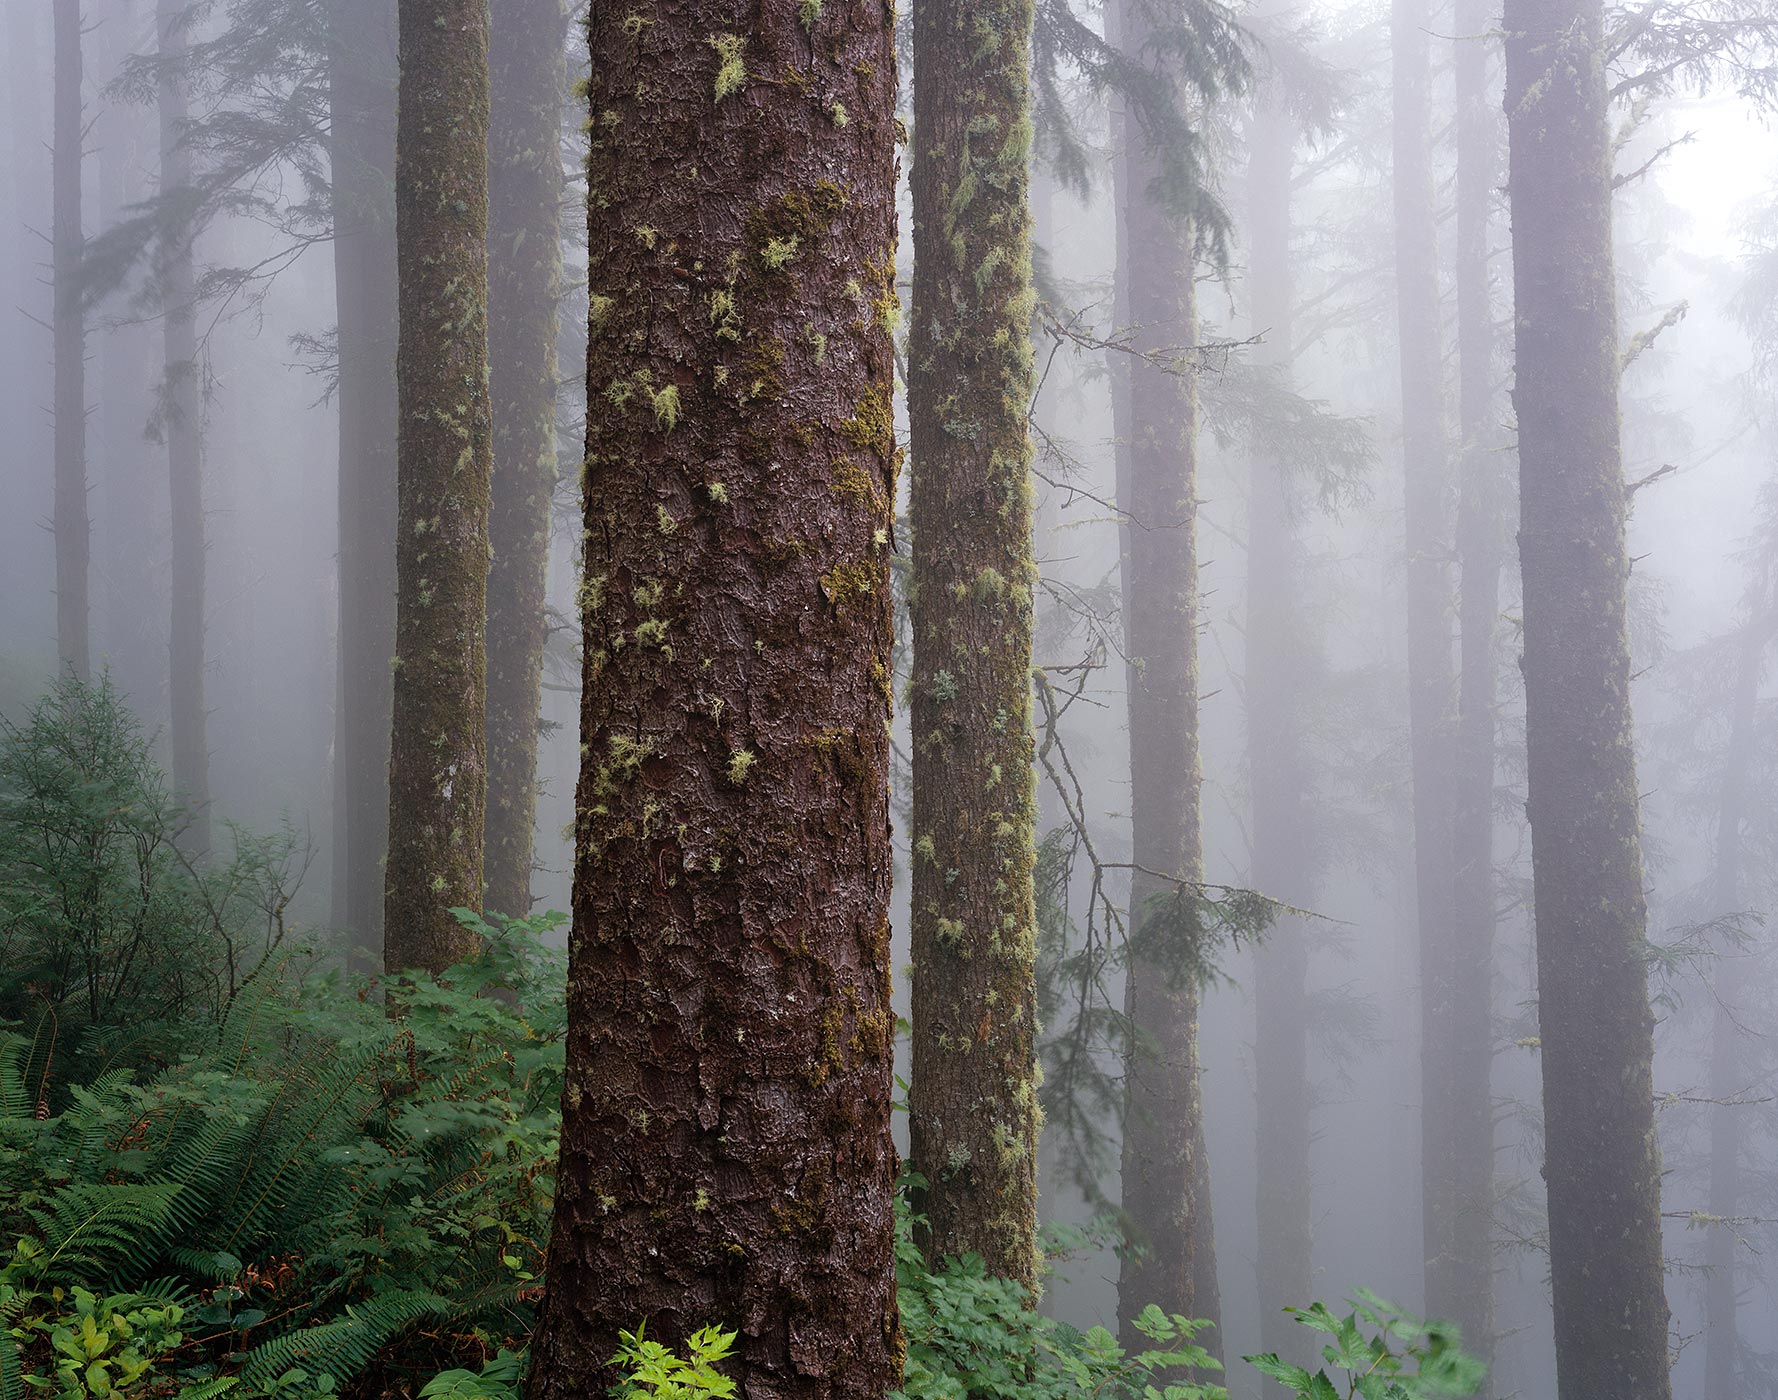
{"x":1309,"y":413}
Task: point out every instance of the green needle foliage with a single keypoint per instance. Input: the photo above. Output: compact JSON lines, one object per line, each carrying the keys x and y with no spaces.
{"x":1378,"y":1352}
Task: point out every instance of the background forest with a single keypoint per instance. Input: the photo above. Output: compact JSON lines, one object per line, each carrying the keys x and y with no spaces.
{"x":1138,"y":632}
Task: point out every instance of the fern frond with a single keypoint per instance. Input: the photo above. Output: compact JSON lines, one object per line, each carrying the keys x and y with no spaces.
{"x":91,"y":1231}
{"x":345,"y":1346}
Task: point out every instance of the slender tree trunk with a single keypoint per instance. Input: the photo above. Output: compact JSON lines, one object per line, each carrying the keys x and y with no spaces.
{"x":182,"y":416}
{"x":362,"y":75}
{"x":445,"y":451}
{"x":1430,"y":681}
{"x":1602,"y":1159}
{"x":726,"y":1154}
{"x":1165,"y":1172}
{"x":1467,"y":1281}
{"x":1722,"y":1340}
{"x":973,"y":1102}
{"x":1282,"y":840}
{"x":528,"y":65}
{"x":73,"y":527}
{"x":128,"y":495}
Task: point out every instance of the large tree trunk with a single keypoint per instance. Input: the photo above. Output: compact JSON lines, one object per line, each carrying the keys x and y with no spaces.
{"x":73,"y":528}
{"x":445,"y":452}
{"x":1165,"y":1173}
{"x":362,"y":76}
{"x":1466,"y":1282}
{"x":1722,"y":1341}
{"x":529,"y":83}
{"x":1430,"y":680}
{"x":1602,"y":1160}
{"x":181,"y":415}
{"x":973,"y":1102}
{"x":1282,"y":839}
{"x":726,"y":1155}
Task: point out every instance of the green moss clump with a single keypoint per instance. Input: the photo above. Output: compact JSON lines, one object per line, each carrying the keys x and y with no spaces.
{"x":731,"y":74}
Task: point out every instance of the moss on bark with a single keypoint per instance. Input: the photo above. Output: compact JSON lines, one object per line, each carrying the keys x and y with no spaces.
{"x":437,"y":774}
{"x":973,"y":1105}
{"x":725,"y":1142}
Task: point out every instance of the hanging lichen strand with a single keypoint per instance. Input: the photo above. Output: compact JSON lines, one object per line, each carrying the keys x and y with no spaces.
{"x":436,"y":773}
{"x":529,"y":69}
{"x":726,"y":1155}
{"x":1602,"y":1160}
{"x":973,"y":1112}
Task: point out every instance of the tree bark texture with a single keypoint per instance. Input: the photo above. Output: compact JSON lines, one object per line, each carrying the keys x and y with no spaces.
{"x":973,"y":1116}
{"x":1466,"y":1282}
{"x":1282,"y":828}
{"x":1430,"y":679}
{"x":437,"y":756}
{"x":72,"y":524}
{"x":182,"y":417}
{"x":1602,"y":1160}
{"x":1165,"y":1172}
{"x":362,"y":68}
{"x":726,"y":1154}
{"x":529,"y":84}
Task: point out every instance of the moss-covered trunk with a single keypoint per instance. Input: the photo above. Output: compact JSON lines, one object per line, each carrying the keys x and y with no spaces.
{"x":726,"y":1155}
{"x":529,"y":84}
{"x":1602,"y":1162}
{"x":1165,"y":1174}
{"x":445,"y":450}
{"x":361,"y":78}
{"x":1282,"y":836}
{"x":181,"y":415}
{"x":1431,"y":684}
{"x":71,"y":523}
{"x":1466,"y":1282}
{"x":973,"y":1106}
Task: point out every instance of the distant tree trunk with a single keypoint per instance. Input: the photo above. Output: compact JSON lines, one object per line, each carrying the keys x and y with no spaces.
{"x":1281,"y":834}
{"x":973,"y":1101}
{"x":73,"y":527}
{"x":129,"y":497}
{"x":726,"y":1154}
{"x":1722,"y":1341}
{"x":1467,"y":1281}
{"x":1602,"y":1159}
{"x":528,"y":64}
{"x":437,"y":754}
{"x":362,"y":77}
{"x":1430,"y":681}
{"x":182,"y":416}
{"x":1165,"y":1172}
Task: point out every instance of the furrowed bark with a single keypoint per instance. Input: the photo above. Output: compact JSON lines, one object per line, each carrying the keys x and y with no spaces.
{"x":726,"y":1155}
{"x":973,"y":1116}
{"x":1165,"y":1171}
{"x":1602,"y":1160}
{"x":437,"y":757}
{"x":528,"y":67}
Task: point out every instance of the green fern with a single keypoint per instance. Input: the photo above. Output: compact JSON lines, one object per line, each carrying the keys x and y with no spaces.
{"x":343,"y":1347}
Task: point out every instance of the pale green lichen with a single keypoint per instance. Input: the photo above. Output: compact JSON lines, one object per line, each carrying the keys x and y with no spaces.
{"x":666,"y":407}
{"x":732,"y":73}
{"x":740,"y":763}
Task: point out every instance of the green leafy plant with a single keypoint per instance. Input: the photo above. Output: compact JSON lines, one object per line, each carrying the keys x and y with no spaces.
{"x":970,"y":1335}
{"x":655,"y":1372}
{"x":1379,"y":1352}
